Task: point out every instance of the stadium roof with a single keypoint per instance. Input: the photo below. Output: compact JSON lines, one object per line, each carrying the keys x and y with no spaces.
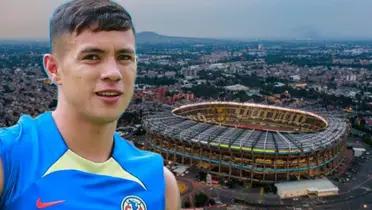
{"x":187,"y":130}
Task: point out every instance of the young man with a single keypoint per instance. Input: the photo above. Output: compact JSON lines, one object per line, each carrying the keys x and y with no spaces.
{"x":72,"y":158}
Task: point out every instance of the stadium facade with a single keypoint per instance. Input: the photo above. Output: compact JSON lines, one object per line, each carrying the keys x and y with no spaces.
{"x":249,"y":142}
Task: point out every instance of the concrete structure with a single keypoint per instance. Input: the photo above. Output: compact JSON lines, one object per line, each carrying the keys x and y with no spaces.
{"x":358,"y":151}
{"x":209,"y":179}
{"x":318,"y":187}
{"x":236,"y":88}
{"x":249,"y":142}
{"x":295,"y":78}
{"x":180,"y":170}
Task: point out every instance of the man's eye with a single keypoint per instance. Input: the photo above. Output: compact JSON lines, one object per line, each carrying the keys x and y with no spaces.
{"x":125,"y":57}
{"x":91,"y":57}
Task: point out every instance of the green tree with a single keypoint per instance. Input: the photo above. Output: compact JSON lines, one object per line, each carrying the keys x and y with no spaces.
{"x":200,"y":199}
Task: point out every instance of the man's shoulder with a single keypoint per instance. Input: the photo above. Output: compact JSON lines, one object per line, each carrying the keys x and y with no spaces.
{"x":126,"y":144}
{"x":128,"y":150}
{"x":8,"y":134}
{"x":145,"y":165}
{"x":13,"y":134}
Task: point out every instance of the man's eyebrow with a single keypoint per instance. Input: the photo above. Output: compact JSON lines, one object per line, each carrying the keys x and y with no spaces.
{"x":97,"y":50}
{"x":126,"y":51}
{"x":91,"y":50}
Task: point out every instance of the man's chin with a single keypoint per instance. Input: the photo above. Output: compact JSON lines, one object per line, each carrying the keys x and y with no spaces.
{"x":106,"y":119}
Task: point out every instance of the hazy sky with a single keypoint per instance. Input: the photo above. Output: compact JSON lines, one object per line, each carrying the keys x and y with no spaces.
{"x":265,"y":19}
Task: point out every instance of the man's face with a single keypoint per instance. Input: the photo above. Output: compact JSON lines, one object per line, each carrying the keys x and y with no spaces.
{"x":97,"y":73}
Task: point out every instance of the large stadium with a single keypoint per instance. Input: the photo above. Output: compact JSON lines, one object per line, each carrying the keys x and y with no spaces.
{"x":249,"y":142}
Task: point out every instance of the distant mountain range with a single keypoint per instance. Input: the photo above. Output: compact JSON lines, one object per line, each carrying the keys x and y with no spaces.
{"x":154,"y":38}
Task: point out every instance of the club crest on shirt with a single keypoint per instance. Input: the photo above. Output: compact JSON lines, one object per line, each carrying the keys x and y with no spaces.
{"x":133,"y":203}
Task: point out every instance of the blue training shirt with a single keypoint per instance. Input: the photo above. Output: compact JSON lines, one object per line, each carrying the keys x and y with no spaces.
{"x":40,"y":172}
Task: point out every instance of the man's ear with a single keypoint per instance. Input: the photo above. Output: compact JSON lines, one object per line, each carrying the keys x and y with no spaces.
{"x":51,"y":68}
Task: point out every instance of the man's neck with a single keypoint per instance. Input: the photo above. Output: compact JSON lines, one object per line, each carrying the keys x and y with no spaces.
{"x":91,"y":141}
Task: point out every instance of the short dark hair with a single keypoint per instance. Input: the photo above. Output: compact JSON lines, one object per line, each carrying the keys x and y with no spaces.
{"x":96,"y":15}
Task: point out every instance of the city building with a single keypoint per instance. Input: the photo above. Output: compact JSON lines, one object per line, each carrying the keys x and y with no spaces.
{"x":318,"y":187}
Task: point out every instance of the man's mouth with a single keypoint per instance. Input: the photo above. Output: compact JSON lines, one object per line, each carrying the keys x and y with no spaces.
{"x":109,"y":93}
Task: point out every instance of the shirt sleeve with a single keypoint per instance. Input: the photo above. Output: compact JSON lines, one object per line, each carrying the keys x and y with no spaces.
{"x":9,"y":138}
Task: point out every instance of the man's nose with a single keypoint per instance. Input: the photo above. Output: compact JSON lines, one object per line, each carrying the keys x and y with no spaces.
{"x":111,"y":71}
